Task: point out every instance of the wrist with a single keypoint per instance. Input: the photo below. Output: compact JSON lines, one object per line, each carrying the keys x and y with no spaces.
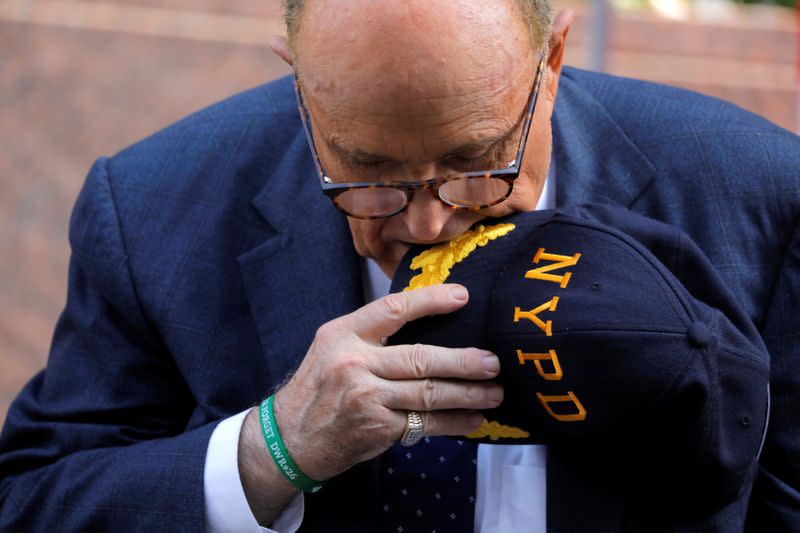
{"x":267,"y":491}
{"x":278,"y":451}
{"x":299,"y":446}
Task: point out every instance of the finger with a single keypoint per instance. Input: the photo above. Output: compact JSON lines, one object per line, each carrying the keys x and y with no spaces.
{"x":425,"y":361}
{"x":454,"y":422}
{"x":437,"y":394}
{"x":386,"y":315}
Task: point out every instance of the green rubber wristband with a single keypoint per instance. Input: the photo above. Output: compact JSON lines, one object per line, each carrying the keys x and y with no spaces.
{"x":278,"y":452}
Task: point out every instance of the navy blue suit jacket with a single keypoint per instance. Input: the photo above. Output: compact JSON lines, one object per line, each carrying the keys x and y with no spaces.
{"x":205,"y":257}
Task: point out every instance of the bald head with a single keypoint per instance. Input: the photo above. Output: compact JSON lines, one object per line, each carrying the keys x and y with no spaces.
{"x":412,"y":79}
{"x":537,"y":16}
{"x":415,"y":44}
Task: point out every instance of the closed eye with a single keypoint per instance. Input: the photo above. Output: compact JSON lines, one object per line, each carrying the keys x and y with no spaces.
{"x":486,"y":160}
{"x":368,"y":163}
{"x":465,"y":159}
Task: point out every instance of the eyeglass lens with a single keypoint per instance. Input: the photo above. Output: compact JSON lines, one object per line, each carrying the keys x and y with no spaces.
{"x":473,"y":192}
{"x":463,"y":192}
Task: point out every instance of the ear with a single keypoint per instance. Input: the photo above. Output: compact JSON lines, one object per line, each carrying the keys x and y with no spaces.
{"x":558,"y":40}
{"x":280,"y":45}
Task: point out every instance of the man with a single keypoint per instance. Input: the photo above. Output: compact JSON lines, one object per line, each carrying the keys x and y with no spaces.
{"x":208,"y":271}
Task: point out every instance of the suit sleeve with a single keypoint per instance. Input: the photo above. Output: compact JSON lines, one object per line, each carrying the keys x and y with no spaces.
{"x":98,"y":441}
{"x":775,"y":501}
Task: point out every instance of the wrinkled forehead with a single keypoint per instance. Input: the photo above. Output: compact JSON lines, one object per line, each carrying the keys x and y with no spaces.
{"x":419,"y":60}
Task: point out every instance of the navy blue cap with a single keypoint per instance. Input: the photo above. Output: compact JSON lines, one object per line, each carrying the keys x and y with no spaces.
{"x":611,"y":329}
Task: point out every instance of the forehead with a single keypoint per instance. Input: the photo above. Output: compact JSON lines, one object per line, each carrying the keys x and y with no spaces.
{"x":420,"y":61}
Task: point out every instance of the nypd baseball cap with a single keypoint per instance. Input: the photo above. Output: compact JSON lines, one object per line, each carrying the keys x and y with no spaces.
{"x":611,"y":329}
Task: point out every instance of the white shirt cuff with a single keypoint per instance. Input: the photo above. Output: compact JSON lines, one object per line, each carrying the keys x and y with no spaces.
{"x":227,"y":509}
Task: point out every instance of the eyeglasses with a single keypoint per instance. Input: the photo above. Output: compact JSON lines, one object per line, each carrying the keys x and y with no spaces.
{"x":468,"y":190}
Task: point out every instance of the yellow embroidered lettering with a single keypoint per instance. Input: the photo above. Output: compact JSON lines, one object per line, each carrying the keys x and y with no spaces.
{"x":537,"y":359}
{"x":532,"y":315}
{"x":579,"y":416}
{"x":560,"y":261}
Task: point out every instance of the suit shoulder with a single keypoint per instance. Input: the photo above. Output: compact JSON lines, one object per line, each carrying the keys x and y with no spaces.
{"x":682,"y":132}
{"x":644,"y":108}
{"x":265,"y":115}
{"x":186,"y":191}
{"x":221,"y":155}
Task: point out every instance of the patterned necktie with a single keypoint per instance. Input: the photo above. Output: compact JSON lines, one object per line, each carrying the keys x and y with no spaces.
{"x":429,"y":487}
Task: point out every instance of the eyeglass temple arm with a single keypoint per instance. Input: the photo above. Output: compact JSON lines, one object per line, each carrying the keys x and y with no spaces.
{"x":529,"y":113}
{"x":304,"y":118}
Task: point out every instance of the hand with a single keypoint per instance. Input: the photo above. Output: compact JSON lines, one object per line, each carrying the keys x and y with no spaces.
{"x":347,"y":402}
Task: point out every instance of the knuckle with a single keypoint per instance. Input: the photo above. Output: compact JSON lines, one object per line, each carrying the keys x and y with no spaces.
{"x":396,"y":305}
{"x":390,"y":396}
{"x":326,"y":332}
{"x":346,"y":368}
{"x":359,"y":401}
{"x":385,"y":429}
{"x":429,"y":395}
{"x":378,"y":428}
{"x":419,"y":360}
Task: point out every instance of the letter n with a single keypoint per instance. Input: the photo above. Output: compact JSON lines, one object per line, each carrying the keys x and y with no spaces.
{"x":559,"y":261}
{"x":578,"y":416}
{"x":532,"y":315}
{"x":537,"y":359}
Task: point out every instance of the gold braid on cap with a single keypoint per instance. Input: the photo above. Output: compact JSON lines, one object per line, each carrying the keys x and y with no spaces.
{"x":436,"y":263}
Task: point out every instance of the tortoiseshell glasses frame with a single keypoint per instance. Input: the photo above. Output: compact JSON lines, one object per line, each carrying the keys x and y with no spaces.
{"x":508,"y":174}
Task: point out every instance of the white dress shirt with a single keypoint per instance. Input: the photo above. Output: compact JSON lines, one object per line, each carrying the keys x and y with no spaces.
{"x":511,"y":479}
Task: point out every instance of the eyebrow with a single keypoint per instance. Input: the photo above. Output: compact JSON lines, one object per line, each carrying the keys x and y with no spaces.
{"x":356,"y":155}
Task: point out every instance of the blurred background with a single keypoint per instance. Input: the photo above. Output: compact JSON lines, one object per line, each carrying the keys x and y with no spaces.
{"x":81,"y":79}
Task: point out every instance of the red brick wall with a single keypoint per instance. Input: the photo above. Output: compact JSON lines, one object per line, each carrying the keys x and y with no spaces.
{"x":88,"y":82}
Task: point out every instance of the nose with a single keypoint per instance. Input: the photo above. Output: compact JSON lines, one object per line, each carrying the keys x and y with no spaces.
{"x":426,"y":215}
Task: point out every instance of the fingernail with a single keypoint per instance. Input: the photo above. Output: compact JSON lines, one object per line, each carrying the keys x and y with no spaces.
{"x":458,"y":293}
{"x":496,"y":394}
{"x":491,"y":363}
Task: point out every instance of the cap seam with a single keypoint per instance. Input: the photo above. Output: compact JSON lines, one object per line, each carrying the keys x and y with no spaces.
{"x":675,"y":332}
{"x":681,"y":372}
{"x":642,"y":252}
{"x":744,"y":356}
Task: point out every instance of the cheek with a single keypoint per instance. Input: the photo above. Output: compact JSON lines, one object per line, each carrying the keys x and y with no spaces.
{"x":357,"y":232}
{"x":366,"y":236}
{"x":528,"y":186}
{"x":527,"y":191}
{"x":524,"y":197}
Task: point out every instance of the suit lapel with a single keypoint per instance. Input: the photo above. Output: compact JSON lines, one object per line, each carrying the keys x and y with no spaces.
{"x":304,"y":275}
{"x":594,"y":160}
